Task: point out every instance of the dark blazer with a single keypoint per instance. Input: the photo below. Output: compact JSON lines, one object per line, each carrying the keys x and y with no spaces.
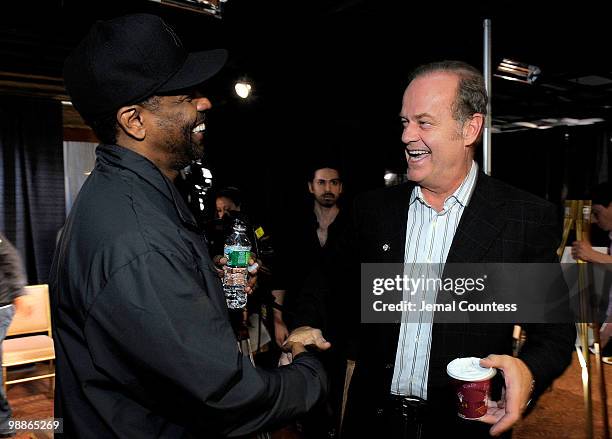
{"x":500,"y":224}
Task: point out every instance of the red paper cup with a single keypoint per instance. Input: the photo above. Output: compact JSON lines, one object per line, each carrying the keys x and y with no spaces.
{"x":472,"y":386}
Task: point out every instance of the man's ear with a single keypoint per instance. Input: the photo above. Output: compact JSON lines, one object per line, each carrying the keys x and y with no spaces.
{"x":131,"y":121}
{"x":310,"y":187}
{"x":472,"y":128}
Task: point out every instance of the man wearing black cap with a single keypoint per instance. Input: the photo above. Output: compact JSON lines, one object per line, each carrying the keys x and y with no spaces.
{"x":143,"y":343}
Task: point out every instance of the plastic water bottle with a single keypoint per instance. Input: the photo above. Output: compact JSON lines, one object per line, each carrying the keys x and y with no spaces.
{"x":237,"y":250}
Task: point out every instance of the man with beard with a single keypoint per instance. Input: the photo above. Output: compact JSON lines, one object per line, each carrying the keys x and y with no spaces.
{"x":326,"y":187}
{"x":313,"y":233}
{"x":143,"y":342}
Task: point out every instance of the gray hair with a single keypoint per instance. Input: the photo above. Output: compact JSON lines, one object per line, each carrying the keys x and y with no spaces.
{"x":471,"y":93}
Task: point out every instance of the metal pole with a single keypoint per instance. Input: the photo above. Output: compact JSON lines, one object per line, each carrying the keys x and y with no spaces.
{"x":586,"y":236}
{"x":583,"y":326}
{"x":486,"y":137}
{"x":603,"y":393}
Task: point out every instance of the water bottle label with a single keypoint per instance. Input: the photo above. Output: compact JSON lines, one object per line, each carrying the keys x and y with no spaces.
{"x":237,"y":256}
{"x":234,"y":277}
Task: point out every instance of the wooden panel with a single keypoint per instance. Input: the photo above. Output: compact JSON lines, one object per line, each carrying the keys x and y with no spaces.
{"x":22,"y":84}
{"x":80,"y":135}
{"x":40,"y":318}
{"x":72,"y":119}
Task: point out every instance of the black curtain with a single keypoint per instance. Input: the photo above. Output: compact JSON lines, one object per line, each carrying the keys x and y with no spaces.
{"x":32,"y":179}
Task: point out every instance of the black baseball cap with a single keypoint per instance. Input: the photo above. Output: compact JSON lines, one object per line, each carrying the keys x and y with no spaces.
{"x":130,"y":58}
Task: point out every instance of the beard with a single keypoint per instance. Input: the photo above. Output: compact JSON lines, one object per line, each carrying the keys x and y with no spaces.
{"x":183,"y":149}
{"x":327,"y":201}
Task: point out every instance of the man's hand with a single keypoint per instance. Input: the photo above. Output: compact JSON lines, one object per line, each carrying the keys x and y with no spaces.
{"x":506,"y":412}
{"x":280,"y":331}
{"x":582,"y":250}
{"x":306,"y":336}
{"x":252,"y":269}
{"x":296,"y":348}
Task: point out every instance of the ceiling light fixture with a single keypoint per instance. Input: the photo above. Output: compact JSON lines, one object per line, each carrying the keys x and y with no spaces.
{"x":209,"y":7}
{"x":526,"y":124}
{"x":517,"y":71}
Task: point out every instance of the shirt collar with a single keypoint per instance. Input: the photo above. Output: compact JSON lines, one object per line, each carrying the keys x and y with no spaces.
{"x":461,"y":195}
{"x":140,"y":165}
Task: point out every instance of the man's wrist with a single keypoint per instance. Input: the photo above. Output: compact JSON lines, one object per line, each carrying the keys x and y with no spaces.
{"x":297,"y":348}
{"x":278,"y":316}
{"x":599,"y":258}
{"x":531,"y":385}
{"x":530,"y":398}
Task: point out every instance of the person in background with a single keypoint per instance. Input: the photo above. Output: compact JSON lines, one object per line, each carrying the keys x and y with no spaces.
{"x":227,"y":200}
{"x":601,"y":214}
{"x":230,"y":205}
{"x":144,"y":346}
{"x":313,"y":232}
{"x":12,"y":300}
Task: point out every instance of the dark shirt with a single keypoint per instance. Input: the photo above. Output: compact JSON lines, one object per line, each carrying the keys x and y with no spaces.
{"x":143,"y":343}
{"x":299,"y":243}
{"x":12,"y":278}
{"x":316,"y":292}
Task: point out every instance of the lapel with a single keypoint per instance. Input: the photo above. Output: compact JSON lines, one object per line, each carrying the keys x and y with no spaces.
{"x":392,"y":233}
{"x":480,"y":223}
{"x":395,"y":223}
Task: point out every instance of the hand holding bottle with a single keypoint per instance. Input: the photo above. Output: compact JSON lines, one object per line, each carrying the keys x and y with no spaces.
{"x":238,"y":267}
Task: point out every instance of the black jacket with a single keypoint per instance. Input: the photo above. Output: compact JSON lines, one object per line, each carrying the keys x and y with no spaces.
{"x":143,"y":343}
{"x":500,"y":224}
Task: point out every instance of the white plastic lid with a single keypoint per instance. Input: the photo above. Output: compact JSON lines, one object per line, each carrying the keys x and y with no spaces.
{"x":469,"y":369}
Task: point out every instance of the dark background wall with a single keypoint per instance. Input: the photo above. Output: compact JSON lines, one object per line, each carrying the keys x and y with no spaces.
{"x":328,"y":79}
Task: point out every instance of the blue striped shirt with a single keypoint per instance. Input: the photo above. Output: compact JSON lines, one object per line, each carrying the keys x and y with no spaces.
{"x":429,"y":235}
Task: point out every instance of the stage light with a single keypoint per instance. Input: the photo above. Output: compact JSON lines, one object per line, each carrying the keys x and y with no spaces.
{"x":517,"y":71}
{"x":243,"y":89}
{"x":390,"y":176}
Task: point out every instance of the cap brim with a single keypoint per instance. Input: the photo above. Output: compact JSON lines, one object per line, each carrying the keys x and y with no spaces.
{"x":198,"y":67}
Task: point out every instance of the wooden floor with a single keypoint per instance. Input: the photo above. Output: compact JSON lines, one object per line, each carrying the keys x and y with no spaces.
{"x":559,"y":413}
{"x":32,"y":401}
